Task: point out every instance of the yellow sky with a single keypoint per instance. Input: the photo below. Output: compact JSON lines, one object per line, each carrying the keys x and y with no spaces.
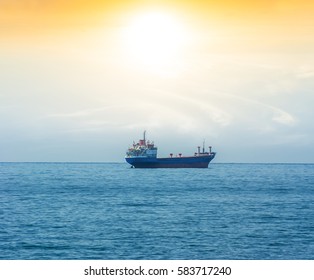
{"x":244,"y":23}
{"x":31,"y":15}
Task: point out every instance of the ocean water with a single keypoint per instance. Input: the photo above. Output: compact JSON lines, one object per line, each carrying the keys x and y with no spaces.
{"x":110,"y":211}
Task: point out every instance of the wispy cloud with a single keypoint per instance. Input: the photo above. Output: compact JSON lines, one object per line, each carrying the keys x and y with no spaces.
{"x":305,"y":75}
{"x":79,"y":113}
{"x":282,"y":117}
{"x":279,"y":115}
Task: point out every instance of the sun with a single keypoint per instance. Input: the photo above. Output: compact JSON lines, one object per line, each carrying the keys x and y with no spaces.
{"x":155,"y":38}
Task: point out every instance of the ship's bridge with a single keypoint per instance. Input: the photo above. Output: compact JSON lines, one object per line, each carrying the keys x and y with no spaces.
{"x":142,"y":149}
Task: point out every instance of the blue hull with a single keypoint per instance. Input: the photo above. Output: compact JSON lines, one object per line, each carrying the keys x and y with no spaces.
{"x":171,"y":162}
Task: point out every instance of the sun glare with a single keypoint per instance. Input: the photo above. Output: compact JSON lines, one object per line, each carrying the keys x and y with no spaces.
{"x":155,"y":39}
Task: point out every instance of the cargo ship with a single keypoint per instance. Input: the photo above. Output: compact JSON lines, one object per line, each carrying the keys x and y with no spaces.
{"x":144,"y":155}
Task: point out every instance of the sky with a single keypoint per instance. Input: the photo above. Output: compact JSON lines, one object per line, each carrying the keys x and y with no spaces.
{"x":81,"y":80}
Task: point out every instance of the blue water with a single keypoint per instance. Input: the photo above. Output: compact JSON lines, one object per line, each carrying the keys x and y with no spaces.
{"x":110,"y":211}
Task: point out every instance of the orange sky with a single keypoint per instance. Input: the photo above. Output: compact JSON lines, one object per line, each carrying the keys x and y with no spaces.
{"x":245,"y":24}
{"x":223,"y":26}
{"x":36,"y":16}
{"x":33,"y":15}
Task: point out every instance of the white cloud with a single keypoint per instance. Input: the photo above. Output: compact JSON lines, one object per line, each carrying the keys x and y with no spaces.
{"x":80,"y":113}
{"x":283,"y":117}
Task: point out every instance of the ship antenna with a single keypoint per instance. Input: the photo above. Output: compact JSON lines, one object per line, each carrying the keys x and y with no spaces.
{"x":203,"y":146}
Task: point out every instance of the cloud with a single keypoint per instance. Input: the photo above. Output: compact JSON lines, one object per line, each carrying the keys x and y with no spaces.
{"x":282,"y":117}
{"x":305,"y":75}
{"x":244,"y":105}
{"x":79,"y":113}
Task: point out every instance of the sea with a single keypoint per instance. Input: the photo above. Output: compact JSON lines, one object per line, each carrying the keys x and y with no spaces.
{"x":109,"y":211}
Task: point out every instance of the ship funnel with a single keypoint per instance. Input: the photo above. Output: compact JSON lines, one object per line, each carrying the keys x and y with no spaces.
{"x":210,"y":149}
{"x":199,"y":149}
